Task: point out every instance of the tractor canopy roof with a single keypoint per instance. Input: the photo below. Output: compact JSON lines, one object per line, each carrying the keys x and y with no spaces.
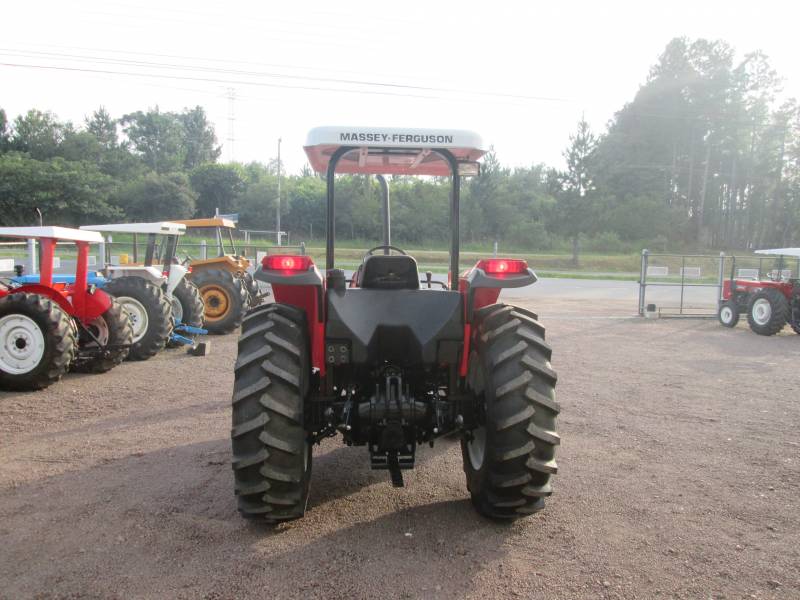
{"x":781,"y":252}
{"x":161,"y":228}
{"x":211,"y":222}
{"x":392,"y":150}
{"x":59,"y":233}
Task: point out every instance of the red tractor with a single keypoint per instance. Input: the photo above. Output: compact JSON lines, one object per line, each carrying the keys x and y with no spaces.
{"x":46,"y":328}
{"x":390,"y":361}
{"x":769,"y":303}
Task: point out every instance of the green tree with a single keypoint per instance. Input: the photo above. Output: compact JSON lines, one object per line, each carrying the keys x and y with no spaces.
{"x":157,"y":138}
{"x":39,"y":134}
{"x":157,"y":197}
{"x":218,"y":187}
{"x":103,"y":128}
{"x":575,"y":189}
{"x":69,"y":193}
{"x":199,"y":138}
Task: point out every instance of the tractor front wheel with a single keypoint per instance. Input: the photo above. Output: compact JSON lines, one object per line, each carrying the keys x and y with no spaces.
{"x":37,"y":342}
{"x":510,"y":457}
{"x":149,"y":311}
{"x":187,"y":307}
{"x":271,"y":448}
{"x":768,"y":311}
{"x":728,"y":313}
{"x":109,"y":343}
{"x":225,"y":299}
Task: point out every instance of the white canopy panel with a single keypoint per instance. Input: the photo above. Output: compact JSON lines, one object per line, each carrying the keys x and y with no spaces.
{"x":60,"y":233}
{"x":391,"y":151}
{"x":161,"y":228}
{"x":781,"y":252}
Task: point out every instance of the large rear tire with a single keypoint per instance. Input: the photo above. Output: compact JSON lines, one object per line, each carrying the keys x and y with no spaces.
{"x":187,"y":307}
{"x":37,"y":342}
{"x":271,"y":448}
{"x":510,"y":457}
{"x":225,"y":299}
{"x":149,"y":311}
{"x":768,"y":311}
{"x":112,"y":329}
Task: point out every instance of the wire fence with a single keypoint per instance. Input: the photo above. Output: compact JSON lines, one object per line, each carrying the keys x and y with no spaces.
{"x":690,"y":285}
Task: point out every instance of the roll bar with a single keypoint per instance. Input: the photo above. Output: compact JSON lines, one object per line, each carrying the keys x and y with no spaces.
{"x":455,"y":200}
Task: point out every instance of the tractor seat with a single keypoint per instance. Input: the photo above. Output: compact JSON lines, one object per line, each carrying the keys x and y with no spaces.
{"x":389,"y":272}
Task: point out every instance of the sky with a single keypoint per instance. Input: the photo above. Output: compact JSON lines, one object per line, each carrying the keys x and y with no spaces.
{"x":519,"y":73}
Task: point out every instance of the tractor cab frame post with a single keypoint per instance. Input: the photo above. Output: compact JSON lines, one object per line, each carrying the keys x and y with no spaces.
{"x":386,"y":213}
{"x":455,"y":199}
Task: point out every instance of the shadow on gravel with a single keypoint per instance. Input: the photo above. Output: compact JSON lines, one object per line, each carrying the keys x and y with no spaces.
{"x":152,"y":522}
{"x":433,"y":550}
{"x":344,"y":470}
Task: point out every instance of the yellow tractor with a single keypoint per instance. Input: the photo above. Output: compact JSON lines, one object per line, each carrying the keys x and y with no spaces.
{"x":220,"y":273}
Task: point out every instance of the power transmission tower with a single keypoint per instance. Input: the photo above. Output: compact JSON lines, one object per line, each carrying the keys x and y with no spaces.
{"x":231,"y":119}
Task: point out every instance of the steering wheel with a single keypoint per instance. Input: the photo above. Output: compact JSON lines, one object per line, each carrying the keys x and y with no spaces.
{"x":186,"y":260}
{"x":371,"y":251}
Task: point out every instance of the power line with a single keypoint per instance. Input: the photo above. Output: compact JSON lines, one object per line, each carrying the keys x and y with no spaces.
{"x":161,"y":65}
{"x":242,"y":82}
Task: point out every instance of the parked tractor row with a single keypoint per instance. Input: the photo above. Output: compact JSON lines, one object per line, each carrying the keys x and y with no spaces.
{"x":51,"y":323}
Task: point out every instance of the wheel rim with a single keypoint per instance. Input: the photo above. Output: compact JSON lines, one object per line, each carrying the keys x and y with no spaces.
{"x":99,"y":329}
{"x":761,"y":311}
{"x":216,"y":302}
{"x":137,"y":314}
{"x":177,"y":310}
{"x":21,"y":344}
{"x":726,"y":314}
{"x":476,"y":447}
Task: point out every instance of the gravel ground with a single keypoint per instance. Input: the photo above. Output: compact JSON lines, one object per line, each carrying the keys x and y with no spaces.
{"x":679,"y":478}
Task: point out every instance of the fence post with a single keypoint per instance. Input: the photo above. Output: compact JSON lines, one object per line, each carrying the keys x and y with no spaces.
{"x":683,"y":281}
{"x":101,"y":254}
{"x":33,"y":263}
{"x":203,"y":249}
{"x":495,"y":249}
{"x":302,"y":248}
{"x":721,"y":279}
{"x":643,"y":281}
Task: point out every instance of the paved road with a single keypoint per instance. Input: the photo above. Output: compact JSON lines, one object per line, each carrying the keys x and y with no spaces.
{"x":601,"y":290}
{"x":588,"y":289}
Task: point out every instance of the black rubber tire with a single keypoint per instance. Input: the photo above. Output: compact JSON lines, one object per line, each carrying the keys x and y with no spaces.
{"x":271,"y":449}
{"x":734,"y":312}
{"x":235,"y":291}
{"x":192,"y":307}
{"x":59,"y":341}
{"x":511,"y":377}
{"x":159,"y":313}
{"x":253,"y":292}
{"x":120,"y":333}
{"x":780,"y":311}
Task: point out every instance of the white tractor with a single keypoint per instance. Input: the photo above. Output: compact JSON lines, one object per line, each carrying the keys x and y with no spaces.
{"x":155,"y":291}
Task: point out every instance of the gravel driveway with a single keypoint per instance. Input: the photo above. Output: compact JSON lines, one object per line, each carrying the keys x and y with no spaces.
{"x":679,"y":477}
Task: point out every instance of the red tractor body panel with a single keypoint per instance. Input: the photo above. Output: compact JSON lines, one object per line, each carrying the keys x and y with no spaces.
{"x":307,"y":298}
{"x":748,"y":286}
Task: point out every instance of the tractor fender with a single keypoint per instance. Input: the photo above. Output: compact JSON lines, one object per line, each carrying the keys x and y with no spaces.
{"x":55,"y":295}
{"x":152,"y":274}
{"x":176,"y":273}
{"x":85,"y":306}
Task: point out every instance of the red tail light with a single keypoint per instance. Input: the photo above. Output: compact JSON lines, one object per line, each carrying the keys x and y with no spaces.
{"x":286,"y":262}
{"x":503,"y":266}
